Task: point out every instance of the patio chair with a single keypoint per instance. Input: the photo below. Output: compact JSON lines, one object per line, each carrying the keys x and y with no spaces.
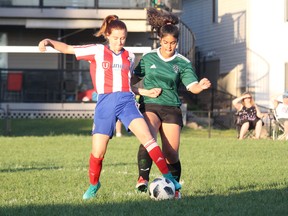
{"x":14,"y":87}
{"x":277,"y":128}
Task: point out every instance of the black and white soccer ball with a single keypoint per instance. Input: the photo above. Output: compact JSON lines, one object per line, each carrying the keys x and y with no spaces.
{"x":161,"y":189}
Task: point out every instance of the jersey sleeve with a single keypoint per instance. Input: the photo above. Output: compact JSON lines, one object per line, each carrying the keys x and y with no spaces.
{"x":139,"y":70}
{"x":188,"y":76}
{"x":86,"y":52}
{"x":132,"y":60}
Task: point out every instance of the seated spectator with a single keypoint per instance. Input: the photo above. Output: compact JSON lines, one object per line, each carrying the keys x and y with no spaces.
{"x":281,"y":110}
{"x":249,"y":115}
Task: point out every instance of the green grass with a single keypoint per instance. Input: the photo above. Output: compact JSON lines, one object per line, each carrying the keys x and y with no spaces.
{"x":44,"y":171}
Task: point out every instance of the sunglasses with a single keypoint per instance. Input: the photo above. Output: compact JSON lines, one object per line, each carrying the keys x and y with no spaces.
{"x":247,"y":97}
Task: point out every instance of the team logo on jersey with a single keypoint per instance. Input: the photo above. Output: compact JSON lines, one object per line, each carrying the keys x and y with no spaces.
{"x":176,"y":68}
{"x":153,"y":66}
{"x":105,"y":65}
{"x":121,"y":66}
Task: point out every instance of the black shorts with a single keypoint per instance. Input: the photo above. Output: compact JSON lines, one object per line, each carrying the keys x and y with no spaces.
{"x":167,"y":114}
{"x":252,"y":124}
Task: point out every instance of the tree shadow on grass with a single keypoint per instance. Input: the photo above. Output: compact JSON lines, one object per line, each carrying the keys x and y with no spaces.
{"x":46,"y":127}
{"x":56,"y":127}
{"x":254,"y":203}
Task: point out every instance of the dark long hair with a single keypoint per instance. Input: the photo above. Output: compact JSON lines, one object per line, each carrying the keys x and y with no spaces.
{"x":163,"y":22}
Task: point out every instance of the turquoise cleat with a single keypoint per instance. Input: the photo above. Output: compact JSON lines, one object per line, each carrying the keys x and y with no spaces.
{"x":171,"y":178}
{"x":91,"y":192}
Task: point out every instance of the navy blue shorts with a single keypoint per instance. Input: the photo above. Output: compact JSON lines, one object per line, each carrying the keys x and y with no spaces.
{"x":110,"y":108}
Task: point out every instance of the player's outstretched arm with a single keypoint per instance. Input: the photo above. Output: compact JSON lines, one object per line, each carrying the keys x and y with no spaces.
{"x":57,"y":45}
{"x":199,"y":87}
{"x":153,"y":93}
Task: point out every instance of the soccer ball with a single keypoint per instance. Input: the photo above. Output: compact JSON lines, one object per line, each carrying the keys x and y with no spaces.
{"x":161,"y":189}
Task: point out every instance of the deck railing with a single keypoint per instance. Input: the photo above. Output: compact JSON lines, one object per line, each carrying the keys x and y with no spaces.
{"x":186,"y":44}
{"x":105,"y":4}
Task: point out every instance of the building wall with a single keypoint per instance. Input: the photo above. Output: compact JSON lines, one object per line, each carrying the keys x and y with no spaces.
{"x":72,"y":25}
{"x":250,"y":40}
{"x":223,"y":39}
{"x":268,"y":45}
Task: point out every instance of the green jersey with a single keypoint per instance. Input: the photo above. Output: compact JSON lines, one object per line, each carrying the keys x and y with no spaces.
{"x":166,"y":74}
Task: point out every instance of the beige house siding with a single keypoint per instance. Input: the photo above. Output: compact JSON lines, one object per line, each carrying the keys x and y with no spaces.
{"x":267,"y":44}
{"x":249,"y":39}
{"x":225,"y":39}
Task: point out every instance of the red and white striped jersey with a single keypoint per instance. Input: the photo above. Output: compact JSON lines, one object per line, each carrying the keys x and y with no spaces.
{"x":109,"y":72}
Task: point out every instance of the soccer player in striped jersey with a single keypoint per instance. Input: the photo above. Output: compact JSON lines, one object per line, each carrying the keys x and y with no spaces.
{"x":110,"y":69}
{"x":164,"y":69}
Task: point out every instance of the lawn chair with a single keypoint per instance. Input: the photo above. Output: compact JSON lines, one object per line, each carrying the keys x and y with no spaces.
{"x":277,"y":128}
{"x":14,"y":86}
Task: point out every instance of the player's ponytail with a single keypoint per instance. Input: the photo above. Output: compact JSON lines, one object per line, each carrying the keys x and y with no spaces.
{"x":163,"y":22}
{"x":109,"y":23}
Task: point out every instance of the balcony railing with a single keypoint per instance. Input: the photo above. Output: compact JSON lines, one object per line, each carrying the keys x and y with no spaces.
{"x":133,"y":4}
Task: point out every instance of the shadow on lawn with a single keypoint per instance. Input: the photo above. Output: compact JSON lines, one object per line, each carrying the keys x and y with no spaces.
{"x":267,"y":202}
{"x":56,"y":127}
{"x":46,"y":127}
{"x":49,"y":127}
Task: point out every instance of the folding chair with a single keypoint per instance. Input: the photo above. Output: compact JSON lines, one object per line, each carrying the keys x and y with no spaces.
{"x":14,"y":86}
{"x":277,"y":128}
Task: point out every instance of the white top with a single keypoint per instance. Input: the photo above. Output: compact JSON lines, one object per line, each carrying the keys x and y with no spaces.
{"x":282,"y":111}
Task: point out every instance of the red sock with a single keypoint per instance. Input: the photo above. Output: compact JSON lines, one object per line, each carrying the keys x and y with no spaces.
{"x":95,"y":167}
{"x":157,"y":156}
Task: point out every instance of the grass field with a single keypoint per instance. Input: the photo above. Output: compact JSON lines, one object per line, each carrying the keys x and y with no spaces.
{"x":44,"y":171}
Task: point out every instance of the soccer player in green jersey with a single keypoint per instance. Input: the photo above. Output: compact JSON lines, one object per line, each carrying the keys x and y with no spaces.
{"x":164,"y":69}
